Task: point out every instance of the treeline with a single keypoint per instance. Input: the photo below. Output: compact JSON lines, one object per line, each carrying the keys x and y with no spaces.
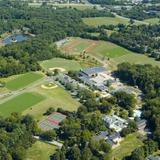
{"x":142,"y":39}
{"x":147,"y":78}
{"x":107,"y":2}
{"x":47,"y":24}
{"x":137,"y":12}
{"x":16,"y":136}
{"x":24,"y":57}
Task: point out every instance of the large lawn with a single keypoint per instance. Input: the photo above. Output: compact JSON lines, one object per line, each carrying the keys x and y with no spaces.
{"x":103,"y":50}
{"x":153,"y":20}
{"x":20,"y":103}
{"x":23,"y":80}
{"x":57,"y":97}
{"x":130,"y":143}
{"x":136,"y":58}
{"x":98,"y":21}
{"x":62,"y":63}
{"x":107,"y":49}
{"x":40,"y":151}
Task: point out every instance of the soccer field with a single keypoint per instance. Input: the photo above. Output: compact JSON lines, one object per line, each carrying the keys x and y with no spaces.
{"x":20,"y":103}
{"x":23,"y":80}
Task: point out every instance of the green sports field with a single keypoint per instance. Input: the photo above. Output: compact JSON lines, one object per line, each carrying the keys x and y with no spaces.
{"x":104,"y":50}
{"x":57,"y":97}
{"x":20,"y":103}
{"x":61,"y":63}
{"x":23,"y":80}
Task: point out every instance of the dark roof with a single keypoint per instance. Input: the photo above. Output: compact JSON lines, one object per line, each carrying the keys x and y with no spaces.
{"x":101,"y":135}
{"x":141,"y":122}
{"x":93,"y":70}
{"x":114,"y":136}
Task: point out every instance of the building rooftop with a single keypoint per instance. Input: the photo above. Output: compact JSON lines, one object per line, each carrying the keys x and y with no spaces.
{"x":115,"y":122}
{"x":94,"y":70}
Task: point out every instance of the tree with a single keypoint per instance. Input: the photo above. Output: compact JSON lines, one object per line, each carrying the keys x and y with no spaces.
{"x":48,"y":135}
{"x":138,"y":154}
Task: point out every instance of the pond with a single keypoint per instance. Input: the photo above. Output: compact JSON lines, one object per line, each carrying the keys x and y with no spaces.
{"x":15,"y":38}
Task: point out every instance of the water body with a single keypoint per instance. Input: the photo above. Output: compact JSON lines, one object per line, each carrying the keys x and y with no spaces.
{"x":15,"y":38}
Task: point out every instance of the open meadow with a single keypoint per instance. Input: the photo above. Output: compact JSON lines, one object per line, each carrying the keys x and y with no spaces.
{"x":153,"y":20}
{"x":104,"y":50}
{"x":129,"y":143}
{"x":98,"y":21}
{"x":40,"y":151}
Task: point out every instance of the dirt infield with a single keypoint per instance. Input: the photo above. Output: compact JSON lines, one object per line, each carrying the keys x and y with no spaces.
{"x":58,"y":68}
{"x":70,"y":46}
{"x":49,"y":86}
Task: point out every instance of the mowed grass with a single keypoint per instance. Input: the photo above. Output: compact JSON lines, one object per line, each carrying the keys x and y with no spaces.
{"x":40,"y":151}
{"x":61,"y":63}
{"x":153,"y":20}
{"x":56,"y":98}
{"x":135,"y":58}
{"x":117,"y":54}
{"x":98,"y":21}
{"x":20,"y":103}
{"x":108,"y":49}
{"x":81,"y":46}
{"x":126,"y":147}
{"x":23,"y":80}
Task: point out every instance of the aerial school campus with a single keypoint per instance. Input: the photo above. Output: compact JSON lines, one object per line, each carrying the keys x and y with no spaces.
{"x":79,"y":98}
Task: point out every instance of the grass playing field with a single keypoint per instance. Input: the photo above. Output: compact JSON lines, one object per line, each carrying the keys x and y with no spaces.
{"x":61,"y":63}
{"x":57,"y":97}
{"x":103,"y":50}
{"x":40,"y":151}
{"x":23,"y":80}
{"x":20,"y":103}
{"x":130,"y":143}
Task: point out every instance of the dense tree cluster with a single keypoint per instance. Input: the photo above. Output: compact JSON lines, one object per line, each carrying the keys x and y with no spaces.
{"x":107,"y":2}
{"x":16,"y":136}
{"x":147,"y":78}
{"x":142,"y":39}
{"x":137,"y":12}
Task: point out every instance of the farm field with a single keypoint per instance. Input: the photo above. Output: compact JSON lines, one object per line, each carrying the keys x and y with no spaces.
{"x":55,"y":98}
{"x":130,"y":143}
{"x":23,"y":80}
{"x":40,"y":151}
{"x":153,"y":20}
{"x":104,"y":50}
{"x":60,"y":63}
{"x":20,"y":103}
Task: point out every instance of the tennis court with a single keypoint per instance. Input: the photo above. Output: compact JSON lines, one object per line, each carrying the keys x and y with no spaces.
{"x":52,"y":121}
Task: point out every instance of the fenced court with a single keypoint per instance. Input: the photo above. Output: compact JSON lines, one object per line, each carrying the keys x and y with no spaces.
{"x":52,"y":121}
